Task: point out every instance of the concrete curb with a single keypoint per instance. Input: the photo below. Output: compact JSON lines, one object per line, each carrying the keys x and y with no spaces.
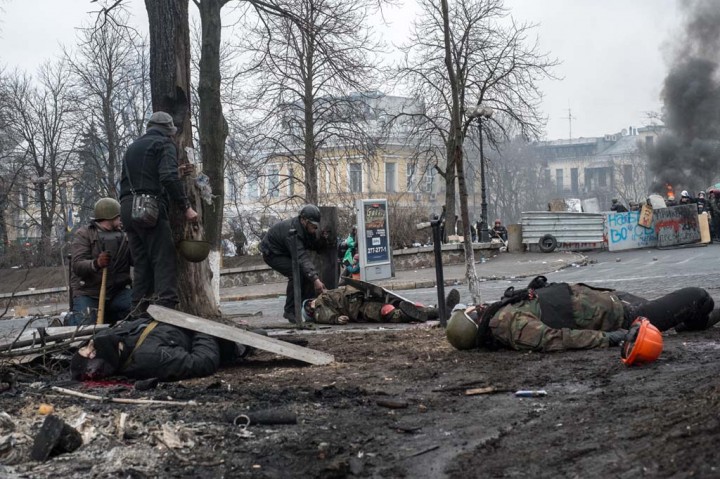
{"x":399,"y":285}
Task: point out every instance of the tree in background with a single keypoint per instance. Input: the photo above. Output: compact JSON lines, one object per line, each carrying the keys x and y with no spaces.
{"x":40,"y":117}
{"x":466,"y":54}
{"x":310,"y":70}
{"x":110,"y":72}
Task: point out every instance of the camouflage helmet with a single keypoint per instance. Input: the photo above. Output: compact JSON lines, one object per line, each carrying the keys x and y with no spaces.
{"x":461,"y":330}
{"x":107,"y":209}
{"x":194,"y":251}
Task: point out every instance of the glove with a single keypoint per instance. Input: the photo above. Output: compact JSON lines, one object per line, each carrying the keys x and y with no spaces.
{"x":616,"y":338}
{"x":103,"y":260}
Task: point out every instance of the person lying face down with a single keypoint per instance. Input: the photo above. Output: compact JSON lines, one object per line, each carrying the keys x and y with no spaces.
{"x":349,"y":304}
{"x":144,"y":348}
{"x":560,"y":316}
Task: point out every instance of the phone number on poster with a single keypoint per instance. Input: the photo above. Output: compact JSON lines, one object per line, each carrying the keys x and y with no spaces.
{"x":377,"y":249}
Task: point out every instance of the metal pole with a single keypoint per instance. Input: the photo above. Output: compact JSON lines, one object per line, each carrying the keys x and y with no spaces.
{"x":436,"y":222}
{"x":484,"y":236}
{"x":297,"y":285}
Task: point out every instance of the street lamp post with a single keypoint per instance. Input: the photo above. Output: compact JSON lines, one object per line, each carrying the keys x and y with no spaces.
{"x":479,"y":113}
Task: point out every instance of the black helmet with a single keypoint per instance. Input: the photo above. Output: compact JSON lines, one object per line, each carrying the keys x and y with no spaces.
{"x":311,"y":213}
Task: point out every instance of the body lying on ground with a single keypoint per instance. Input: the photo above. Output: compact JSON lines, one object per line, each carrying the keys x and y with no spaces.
{"x":349,"y":304}
{"x":559,"y":316}
{"x":144,"y":349}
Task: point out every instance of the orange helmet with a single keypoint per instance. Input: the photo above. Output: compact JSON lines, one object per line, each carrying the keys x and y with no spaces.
{"x":644,"y":343}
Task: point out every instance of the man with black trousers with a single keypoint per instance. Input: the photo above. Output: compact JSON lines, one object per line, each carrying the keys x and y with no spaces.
{"x":275,"y":249}
{"x":150,"y":167}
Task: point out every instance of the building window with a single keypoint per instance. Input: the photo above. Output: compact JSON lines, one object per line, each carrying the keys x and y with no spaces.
{"x":291,"y":181}
{"x":390,"y":179}
{"x":548,"y":179}
{"x":602,"y":178}
{"x":429,"y":181}
{"x":273,"y":181}
{"x":355,"y":177}
{"x":410,"y":184}
{"x":574,"y":182}
{"x":559,"y":180}
{"x":627,"y":174}
{"x":253,"y":192}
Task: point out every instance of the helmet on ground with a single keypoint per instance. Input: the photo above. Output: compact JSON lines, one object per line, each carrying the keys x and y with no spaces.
{"x":311,"y":213}
{"x":387,"y":309}
{"x":461,"y":330}
{"x":308,"y":316}
{"x":644,"y":343}
{"x":107,"y":209}
{"x":685,"y":194}
{"x":194,"y":251}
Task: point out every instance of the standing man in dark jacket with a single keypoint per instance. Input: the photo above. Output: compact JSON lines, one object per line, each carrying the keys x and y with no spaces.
{"x":150,"y":167}
{"x":100,"y":245}
{"x":275,"y":249}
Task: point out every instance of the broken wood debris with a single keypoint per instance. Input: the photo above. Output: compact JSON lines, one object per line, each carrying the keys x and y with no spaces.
{"x":219,"y":330}
{"x":93,"y":397}
{"x":55,"y":437}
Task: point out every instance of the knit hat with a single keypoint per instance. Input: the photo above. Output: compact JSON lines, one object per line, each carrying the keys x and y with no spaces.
{"x":162,"y":121}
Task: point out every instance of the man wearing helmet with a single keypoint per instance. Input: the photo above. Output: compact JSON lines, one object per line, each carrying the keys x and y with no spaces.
{"x":348,"y":304}
{"x":275,"y":249}
{"x":95,"y":247}
{"x":559,"y":316}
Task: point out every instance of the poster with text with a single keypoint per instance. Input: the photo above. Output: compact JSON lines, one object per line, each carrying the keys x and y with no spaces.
{"x":376,"y":232}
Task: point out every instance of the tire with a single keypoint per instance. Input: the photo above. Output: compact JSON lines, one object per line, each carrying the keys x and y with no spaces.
{"x":547,"y":243}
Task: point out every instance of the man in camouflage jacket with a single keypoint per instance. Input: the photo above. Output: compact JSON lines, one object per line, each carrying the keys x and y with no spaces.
{"x":348,"y":304}
{"x":562,"y":316}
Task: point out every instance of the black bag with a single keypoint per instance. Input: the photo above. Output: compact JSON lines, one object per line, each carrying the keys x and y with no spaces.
{"x":145,"y":210}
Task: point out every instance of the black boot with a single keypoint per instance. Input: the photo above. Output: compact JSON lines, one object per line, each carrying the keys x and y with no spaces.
{"x":452,"y":300}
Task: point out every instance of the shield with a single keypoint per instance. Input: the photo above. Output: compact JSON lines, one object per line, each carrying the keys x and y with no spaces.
{"x":375,"y":291}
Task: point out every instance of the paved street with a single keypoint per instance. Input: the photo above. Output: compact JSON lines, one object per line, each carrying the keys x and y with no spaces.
{"x":648,"y":273}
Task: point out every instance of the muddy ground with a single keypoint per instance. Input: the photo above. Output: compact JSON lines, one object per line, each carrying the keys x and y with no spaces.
{"x":599,"y":418}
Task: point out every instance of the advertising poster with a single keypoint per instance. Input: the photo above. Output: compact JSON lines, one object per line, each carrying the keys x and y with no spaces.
{"x":374,"y":240}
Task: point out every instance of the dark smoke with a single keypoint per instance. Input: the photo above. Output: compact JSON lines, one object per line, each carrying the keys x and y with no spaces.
{"x":687,"y":155}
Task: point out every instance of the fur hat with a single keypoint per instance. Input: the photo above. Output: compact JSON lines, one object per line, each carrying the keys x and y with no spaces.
{"x":162,"y":121}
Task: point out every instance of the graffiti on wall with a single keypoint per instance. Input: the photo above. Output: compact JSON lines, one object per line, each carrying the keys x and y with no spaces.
{"x":677,"y":225}
{"x":623,"y":232}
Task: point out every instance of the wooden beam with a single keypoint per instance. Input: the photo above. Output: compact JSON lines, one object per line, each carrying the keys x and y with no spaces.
{"x":223,"y":331}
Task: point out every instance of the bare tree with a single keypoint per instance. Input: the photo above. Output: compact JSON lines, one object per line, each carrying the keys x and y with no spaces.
{"x":111,"y":73}
{"x":310,"y":71}
{"x":41,"y":117}
{"x":465,"y":54}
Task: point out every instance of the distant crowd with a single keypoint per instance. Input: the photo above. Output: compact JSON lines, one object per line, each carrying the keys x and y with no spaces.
{"x":706,"y":202}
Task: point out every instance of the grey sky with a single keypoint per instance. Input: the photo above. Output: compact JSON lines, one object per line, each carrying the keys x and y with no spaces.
{"x":611,"y":75}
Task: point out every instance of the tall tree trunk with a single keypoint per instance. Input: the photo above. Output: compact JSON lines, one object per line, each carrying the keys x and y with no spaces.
{"x":170,"y":90}
{"x":213,"y":128}
{"x":455,"y":156}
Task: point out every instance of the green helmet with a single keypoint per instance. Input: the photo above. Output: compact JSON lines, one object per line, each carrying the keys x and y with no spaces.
{"x":461,"y":330}
{"x":194,"y":251}
{"x":107,"y":209}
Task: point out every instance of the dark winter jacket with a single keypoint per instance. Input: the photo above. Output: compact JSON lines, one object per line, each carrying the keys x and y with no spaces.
{"x":151,"y":161}
{"x":167,"y":353}
{"x":85,"y":277}
{"x":277,"y":243}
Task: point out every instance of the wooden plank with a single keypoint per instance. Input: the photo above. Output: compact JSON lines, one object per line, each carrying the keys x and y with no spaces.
{"x":223,"y":331}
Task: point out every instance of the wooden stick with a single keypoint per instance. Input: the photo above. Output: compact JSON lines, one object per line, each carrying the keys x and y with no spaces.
{"x":101,"y":299}
{"x":70,"y":392}
{"x":476,"y":391}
